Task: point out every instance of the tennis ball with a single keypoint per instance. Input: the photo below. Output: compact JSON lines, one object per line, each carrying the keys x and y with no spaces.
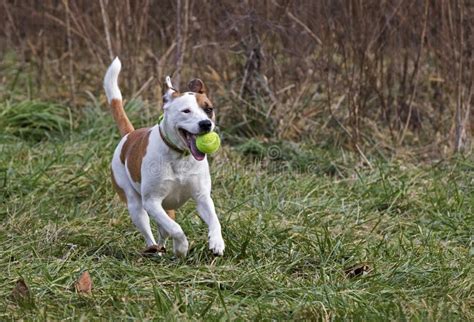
{"x":208,"y":143}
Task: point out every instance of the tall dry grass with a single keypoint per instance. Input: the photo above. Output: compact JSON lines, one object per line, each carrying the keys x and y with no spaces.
{"x":365,"y":73}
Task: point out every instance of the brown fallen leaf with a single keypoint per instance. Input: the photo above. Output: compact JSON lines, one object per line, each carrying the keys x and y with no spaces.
{"x":357,"y":270}
{"x":21,"y":290}
{"x":84,"y":283}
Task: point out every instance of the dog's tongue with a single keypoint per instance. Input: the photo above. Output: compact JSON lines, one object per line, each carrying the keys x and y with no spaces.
{"x":198,"y":155}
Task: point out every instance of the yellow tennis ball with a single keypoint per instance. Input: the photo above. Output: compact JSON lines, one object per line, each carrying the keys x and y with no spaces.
{"x":208,"y":143}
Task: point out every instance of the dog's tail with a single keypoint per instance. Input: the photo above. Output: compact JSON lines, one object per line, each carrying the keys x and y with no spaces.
{"x":114,"y":97}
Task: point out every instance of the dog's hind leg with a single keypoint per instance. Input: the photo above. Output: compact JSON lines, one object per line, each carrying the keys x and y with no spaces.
{"x":128,"y":194}
{"x":140,"y":217}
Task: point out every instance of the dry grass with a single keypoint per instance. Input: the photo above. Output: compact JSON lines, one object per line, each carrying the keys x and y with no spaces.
{"x":391,"y":73}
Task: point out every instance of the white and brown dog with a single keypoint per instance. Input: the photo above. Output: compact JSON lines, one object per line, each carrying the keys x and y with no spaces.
{"x":156,"y":170}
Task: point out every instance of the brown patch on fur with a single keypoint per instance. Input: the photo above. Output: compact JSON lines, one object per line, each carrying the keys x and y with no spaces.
{"x":120,"y":117}
{"x":171,"y":213}
{"x":204,"y":103}
{"x":197,"y":86}
{"x":117,"y":189}
{"x":133,"y":151}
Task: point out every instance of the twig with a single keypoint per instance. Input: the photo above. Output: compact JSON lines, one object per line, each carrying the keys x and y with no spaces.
{"x":359,"y":150}
{"x":181,"y":37}
{"x":72,"y":83}
{"x":386,"y":24}
{"x":305,"y":27}
{"x":144,"y":86}
{"x":160,"y":62}
{"x":286,"y":88}
{"x":106,"y":28}
{"x":15,"y":29}
{"x":75,"y":32}
{"x":414,"y":79}
{"x":338,"y":104}
{"x":246,"y":75}
{"x":180,"y":40}
{"x":460,"y":121}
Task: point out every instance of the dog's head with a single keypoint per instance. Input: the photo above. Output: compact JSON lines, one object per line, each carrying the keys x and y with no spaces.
{"x":188,"y":115}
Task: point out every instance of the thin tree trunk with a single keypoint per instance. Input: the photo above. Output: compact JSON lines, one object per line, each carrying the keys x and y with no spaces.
{"x":72,"y":83}
{"x":106,"y":28}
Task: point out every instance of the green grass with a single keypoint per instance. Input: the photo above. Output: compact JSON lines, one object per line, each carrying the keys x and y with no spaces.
{"x":294,"y":219}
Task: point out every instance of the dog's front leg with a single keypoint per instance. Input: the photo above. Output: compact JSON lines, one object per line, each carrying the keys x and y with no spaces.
{"x":206,"y":210}
{"x":155,"y":209}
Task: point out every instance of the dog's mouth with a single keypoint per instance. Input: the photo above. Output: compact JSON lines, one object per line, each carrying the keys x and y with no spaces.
{"x":190,"y":140}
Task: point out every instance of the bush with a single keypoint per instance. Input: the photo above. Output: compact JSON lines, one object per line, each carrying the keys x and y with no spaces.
{"x":34,"y":121}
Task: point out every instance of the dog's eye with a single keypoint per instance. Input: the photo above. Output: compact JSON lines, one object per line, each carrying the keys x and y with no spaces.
{"x":186,"y":111}
{"x":208,"y":111}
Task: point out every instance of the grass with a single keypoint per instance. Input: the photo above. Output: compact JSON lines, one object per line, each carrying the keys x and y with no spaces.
{"x":295,"y":219}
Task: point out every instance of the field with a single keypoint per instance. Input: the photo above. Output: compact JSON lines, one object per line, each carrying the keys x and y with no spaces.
{"x":311,"y":232}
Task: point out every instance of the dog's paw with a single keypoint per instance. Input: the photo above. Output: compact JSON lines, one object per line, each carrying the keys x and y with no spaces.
{"x":153,"y":250}
{"x":180,"y":246}
{"x":216,"y":244}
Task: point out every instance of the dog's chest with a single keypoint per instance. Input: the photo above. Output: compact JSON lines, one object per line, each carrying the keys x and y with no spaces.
{"x":181,"y":180}
{"x":175,"y":174}
{"x":180,"y":172}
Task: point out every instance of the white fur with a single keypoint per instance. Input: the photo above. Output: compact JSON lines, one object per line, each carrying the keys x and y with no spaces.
{"x":169,"y":178}
{"x":168,"y":82}
{"x":134,"y":202}
{"x":110,"y":81}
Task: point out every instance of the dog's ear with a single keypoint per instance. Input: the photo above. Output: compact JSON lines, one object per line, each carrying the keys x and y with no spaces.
{"x":169,"y":90}
{"x":197,"y":86}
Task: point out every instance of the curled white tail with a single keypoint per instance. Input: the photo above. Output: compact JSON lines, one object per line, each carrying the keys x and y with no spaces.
{"x":111,"y":81}
{"x":114,"y":97}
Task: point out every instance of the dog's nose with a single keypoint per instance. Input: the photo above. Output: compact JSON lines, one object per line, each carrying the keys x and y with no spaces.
{"x":205,"y":125}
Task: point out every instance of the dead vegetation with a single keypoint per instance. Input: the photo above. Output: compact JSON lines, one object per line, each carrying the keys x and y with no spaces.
{"x":364,"y":74}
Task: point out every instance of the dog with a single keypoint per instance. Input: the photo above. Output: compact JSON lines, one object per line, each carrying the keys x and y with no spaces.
{"x":156,"y":170}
